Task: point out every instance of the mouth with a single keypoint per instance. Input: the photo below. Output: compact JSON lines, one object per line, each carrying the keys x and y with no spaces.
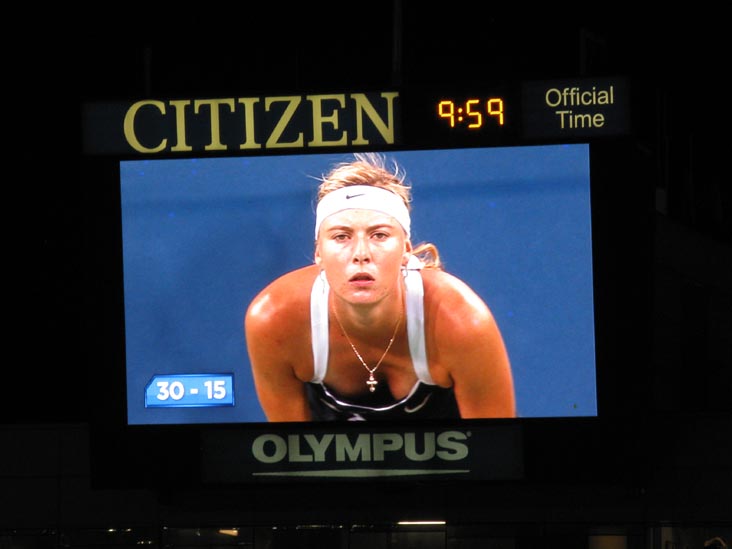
{"x":361,"y":279}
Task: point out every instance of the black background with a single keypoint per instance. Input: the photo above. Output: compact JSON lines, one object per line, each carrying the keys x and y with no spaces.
{"x":663,"y":210}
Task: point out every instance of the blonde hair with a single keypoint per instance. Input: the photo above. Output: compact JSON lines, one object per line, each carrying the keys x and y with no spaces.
{"x":371,"y":169}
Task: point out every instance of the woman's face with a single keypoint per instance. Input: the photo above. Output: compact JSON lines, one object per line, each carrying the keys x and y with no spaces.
{"x":362,"y":253}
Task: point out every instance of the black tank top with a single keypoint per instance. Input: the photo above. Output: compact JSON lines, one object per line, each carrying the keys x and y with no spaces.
{"x":426,"y":400}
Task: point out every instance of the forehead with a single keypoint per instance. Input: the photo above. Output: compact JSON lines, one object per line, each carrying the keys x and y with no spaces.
{"x":357,"y":218}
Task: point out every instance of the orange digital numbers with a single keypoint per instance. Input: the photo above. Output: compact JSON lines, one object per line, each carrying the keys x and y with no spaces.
{"x":471,"y":113}
{"x":446,"y":109}
{"x":494,"y":107}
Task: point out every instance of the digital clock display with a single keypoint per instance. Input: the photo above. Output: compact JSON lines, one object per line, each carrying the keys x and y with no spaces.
{"x":567,"y":109}
{"x":473,"y":113}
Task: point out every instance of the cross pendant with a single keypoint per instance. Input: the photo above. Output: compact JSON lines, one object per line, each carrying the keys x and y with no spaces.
{"x":372,"y":383}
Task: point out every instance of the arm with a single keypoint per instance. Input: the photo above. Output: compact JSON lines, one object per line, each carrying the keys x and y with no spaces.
{"x":483,"y":381}
{"x":473,"y":353}
{"x":281,"y":393}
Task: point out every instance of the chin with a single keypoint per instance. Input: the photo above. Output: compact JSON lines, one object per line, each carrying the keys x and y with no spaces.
{"x":364,"y":296}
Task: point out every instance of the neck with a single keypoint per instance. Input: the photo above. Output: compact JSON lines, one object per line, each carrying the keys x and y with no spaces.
{"x":372,"y":320}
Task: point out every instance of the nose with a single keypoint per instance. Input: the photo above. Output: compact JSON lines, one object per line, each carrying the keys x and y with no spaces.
{"x":361,"y":252}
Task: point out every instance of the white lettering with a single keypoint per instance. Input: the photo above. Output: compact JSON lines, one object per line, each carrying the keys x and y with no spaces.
{"x":363,"y":448}
{"x":386,"y":442}
{"x":453,"y":450}
{"x":280,"y":448}
{"x":574,"y":97}
{"x":410,"y":447}
{"x":319,"y":446}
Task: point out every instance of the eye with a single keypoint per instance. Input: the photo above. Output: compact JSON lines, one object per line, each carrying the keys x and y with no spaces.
{"x":380,"y":235}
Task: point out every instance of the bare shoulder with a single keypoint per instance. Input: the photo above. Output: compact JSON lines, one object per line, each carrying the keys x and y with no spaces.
{"x":447,"y":290}
{"x":452,"y":305}
{"x":466,"y":348}
{"x":284,"y":302}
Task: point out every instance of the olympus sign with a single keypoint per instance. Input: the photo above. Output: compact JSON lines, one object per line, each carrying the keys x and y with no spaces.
{"x":362,"y":448}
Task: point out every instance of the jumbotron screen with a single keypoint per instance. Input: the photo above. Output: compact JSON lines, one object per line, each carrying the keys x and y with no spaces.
{"x":203,"y":236}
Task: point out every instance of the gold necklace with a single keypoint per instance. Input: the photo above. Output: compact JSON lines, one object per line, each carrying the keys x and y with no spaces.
{"x":371,"y":381}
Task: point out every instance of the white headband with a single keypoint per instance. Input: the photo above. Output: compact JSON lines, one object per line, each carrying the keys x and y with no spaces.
{"x":363,"y":197}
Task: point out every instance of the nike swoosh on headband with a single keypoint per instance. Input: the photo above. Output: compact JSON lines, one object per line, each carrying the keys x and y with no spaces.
{"x":349,"y":196}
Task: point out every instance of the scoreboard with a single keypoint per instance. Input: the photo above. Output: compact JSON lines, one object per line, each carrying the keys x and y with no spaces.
{"x":514,"y":113}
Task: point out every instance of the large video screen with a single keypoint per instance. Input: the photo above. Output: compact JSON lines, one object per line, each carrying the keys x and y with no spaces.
{"x":202,"y":237}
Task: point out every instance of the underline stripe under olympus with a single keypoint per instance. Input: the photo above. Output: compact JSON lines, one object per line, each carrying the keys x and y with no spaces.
{"x":364,"y":473}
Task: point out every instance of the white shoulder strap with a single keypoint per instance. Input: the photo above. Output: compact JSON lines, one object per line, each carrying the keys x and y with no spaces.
{"x":415,"y":320}
{"x":319,"y":327}
{"x":415,"y":323}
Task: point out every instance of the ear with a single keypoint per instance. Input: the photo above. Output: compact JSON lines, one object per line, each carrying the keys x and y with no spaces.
{"x":407,"y":252}
{"x":318,"y":259}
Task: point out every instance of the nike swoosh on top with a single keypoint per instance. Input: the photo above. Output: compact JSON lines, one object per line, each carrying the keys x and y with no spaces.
{"x":349,"y":196}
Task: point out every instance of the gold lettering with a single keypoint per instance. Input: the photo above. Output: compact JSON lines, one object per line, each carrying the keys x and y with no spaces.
{"x":129,"y":127}
{"x":249,"y":137}
{"x":273,"y":140}
{"x":329,"y":120}
{"x":214,"y":105}
{"x":319,"y":120}
{"x":180,"y":125}
{"x":364,"y":105}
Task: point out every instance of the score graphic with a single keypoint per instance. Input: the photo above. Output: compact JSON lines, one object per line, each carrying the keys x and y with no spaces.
{"x":473,"y":113}
{"x":183,"y":390}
